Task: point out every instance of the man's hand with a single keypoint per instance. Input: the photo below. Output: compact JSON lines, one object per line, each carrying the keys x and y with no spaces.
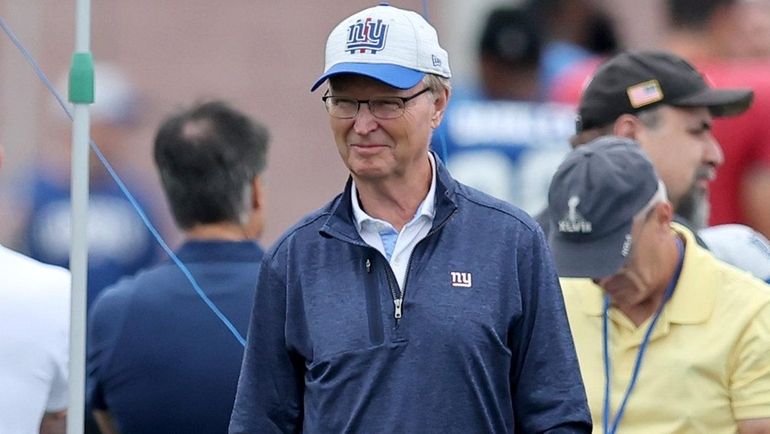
{"x":104,"y":420}
{"x":754,"y":426}
{"x":54,"y":423}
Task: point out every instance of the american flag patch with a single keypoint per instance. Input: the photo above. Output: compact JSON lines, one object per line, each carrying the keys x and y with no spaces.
{"x":644,"y":93}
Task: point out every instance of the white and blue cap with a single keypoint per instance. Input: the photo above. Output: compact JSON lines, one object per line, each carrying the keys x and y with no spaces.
{"x":594,"y":197}
{"x":395,"y":46}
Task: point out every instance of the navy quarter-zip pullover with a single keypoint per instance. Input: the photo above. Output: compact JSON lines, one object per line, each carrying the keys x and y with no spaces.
{"x":482,"y":345}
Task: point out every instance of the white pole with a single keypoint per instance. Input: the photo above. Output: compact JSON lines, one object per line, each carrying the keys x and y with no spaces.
{"x":79,"y":221}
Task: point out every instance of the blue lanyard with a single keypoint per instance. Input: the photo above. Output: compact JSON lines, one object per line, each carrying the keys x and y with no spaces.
{"x":613,"y":425}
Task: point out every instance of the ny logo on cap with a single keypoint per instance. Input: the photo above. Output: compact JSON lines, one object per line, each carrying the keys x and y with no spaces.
{"x":366,"y":35}
{"x":574,"y":222}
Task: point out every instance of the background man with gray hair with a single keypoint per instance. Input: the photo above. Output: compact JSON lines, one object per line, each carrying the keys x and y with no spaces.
{"x":669,"y":338}
{"x":159,"y":360}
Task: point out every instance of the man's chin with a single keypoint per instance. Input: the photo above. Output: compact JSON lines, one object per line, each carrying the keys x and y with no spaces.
{"x":694,"y":207}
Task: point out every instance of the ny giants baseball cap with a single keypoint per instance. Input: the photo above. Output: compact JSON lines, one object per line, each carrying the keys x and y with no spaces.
{"x":593,"y":199}
{"x":392,"y":45}
{"x":635,"y":81}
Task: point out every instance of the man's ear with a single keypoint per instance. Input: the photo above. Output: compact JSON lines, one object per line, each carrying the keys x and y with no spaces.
{"x":257,"y":193}
{"x":664,"y":215}
{"x":440,"y":105}
{"x":257,"y":219}
{"x":626,"y":126}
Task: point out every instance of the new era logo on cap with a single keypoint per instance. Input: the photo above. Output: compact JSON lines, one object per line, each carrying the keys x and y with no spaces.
{"x":367,"y":35}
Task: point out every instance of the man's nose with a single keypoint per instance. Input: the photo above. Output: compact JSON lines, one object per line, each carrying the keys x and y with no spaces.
{"x":364,"y":122}
{"x":712,"y":153}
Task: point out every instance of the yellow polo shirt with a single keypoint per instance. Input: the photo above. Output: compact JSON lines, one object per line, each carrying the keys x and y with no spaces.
{"x":708,"y":361}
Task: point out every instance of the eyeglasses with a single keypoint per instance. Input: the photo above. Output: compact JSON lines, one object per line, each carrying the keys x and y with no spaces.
{"x":385,"y":107}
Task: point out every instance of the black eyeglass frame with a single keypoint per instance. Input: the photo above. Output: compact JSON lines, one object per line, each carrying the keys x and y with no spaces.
{"x":402,"y":99}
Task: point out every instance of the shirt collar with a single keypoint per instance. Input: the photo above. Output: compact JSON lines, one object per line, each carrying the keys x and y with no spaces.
{"x":427,"y":207}
{"x":205,"y":251}
{"x":695,"y":293}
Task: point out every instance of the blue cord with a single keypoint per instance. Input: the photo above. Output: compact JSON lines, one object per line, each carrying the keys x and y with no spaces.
{"x":425,"y":13}
{"x":611,"y":427}
{"x":607,"y":369}
{"x":124,"y":189}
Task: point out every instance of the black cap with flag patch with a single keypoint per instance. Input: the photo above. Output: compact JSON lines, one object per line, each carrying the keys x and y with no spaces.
{"x":635,"y":81}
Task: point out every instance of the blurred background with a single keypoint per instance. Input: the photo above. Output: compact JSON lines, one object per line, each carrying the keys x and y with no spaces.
{"x":260,"y":55}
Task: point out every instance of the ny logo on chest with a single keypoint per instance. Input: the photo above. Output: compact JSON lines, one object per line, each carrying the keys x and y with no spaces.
{"x":463,"y":280}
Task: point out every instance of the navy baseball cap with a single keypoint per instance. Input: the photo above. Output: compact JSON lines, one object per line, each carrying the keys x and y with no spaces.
{"x":633,"y":81}
{"x":392,"y":45}
{"x":593,"y":199}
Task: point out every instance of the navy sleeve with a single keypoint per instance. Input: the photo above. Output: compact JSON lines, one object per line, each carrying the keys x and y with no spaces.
{"x":548,"y":392}
{"x":270,"y":389}
{"x":105,"y":320}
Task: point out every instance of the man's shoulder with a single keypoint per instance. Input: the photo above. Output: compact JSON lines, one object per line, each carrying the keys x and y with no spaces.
{"x":28,"y":274}
{"x":148,"y":282}
{"x":309,"y":226}
{"x":740,"y":284}
{"x":735,"y":289}
{"x":489,"y":207}
{"x":582,"y":294}
{"x":117,"y":295}
{"x":37,"y":292}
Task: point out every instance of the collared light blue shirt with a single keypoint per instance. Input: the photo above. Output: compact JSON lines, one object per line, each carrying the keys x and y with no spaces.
{"x":396,"y":246}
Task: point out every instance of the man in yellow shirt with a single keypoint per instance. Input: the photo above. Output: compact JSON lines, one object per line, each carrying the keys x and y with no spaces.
{"x":669,"y":339}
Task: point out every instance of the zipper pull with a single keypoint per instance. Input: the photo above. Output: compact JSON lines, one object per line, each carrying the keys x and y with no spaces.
{"x":368,"y":265}
{"x":398,"y":302}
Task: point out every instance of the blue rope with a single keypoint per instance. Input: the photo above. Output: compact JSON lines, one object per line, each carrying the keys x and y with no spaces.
{"x":41,"y":75}
{"x":607,"y":369}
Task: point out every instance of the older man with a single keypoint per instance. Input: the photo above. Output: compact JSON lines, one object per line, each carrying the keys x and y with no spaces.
{"x":410,"y":303}
{"x":669,"y":338}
